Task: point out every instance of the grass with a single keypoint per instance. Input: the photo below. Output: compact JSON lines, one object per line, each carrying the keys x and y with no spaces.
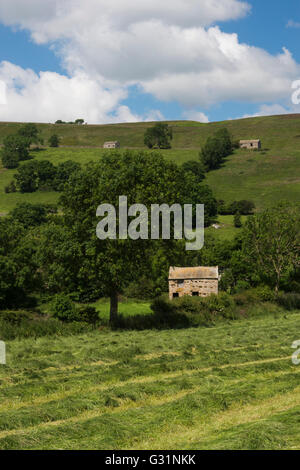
{"x":264,"y":177}
{"x":127,"y":307}
{"x":229,"y":387}
{"x":227,"y":230}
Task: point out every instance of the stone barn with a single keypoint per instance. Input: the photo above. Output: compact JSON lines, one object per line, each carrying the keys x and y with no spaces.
{"x":111,"y":145}
{"x":200,"y":281}
{"x":250,"y":144}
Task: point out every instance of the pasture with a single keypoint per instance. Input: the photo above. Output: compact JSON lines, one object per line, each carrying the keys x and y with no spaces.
{"x":232,"y":386}
{"x":264,"y":177}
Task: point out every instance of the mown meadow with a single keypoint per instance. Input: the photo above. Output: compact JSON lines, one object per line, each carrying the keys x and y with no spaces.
{"x":232,"y":386}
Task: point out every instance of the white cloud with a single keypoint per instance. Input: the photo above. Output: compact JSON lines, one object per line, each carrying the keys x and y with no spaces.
{"x":52,"y":19}
{"x":49,"y":96}
{"x":154,"y":115}
{"x":171,"y":49}
{"x":193,"y":115}
{"x":271,"y":110}
{"x":293,"y":24}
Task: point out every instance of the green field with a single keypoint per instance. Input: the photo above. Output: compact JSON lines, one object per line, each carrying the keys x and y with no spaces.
{"x":229,"y":387}
{"x":264,"y":177}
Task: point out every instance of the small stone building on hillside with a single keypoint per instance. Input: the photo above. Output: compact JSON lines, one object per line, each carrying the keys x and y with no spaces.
{"x":250,"y":144}
{"x":200,"y":281}
{"x":111,"y":145}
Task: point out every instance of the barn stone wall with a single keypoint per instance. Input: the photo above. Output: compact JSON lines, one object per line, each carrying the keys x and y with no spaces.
{"x":203,"y":287}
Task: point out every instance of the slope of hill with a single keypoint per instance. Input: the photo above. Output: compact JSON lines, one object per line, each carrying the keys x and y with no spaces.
{"x":265,"y":177}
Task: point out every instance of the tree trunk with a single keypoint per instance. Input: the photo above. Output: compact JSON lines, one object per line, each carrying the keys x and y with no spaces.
{"x":113,"y":308}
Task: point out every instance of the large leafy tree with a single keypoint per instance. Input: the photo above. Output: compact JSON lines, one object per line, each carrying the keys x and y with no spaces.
{"x":31,"y":132}
{"x":15,"y":149}
{"x":158,"y":136}
{"x":216,"y":148}
{"x":18,"y":272}
{"x":110,"y":265}
{"x":271,"y":243}
{"x":35,"y":174}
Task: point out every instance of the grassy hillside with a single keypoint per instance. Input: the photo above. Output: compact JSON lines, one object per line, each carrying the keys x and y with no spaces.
{"x":229,"y":387}
{"x":265,"y":177}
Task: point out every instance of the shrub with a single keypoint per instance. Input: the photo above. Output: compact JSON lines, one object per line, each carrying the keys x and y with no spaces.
{"x":17,"y":325}
{"x":15,"y":317}
{"x":88,"y":314}
{"x":256,"y":295}
{"x":53,"y":140}
{"x":64,"y":309}
{"x":141,"y":289}
{"x":290,"y":301}
{"x":10,"y":160}
{"x":193,"y":311}
{"x":237,"y":220}
{"x":10,"y":188}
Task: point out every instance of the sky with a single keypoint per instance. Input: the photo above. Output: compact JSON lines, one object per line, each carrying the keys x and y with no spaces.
{"x":110,"y":61}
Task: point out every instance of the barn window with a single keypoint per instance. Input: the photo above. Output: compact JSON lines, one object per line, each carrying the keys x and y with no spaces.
{"x":181,"y":281}
{"x":195,"y":294}
{"x":175,"y":295}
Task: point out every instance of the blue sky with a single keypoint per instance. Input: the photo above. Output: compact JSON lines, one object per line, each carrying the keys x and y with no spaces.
{"x":38,"y":44}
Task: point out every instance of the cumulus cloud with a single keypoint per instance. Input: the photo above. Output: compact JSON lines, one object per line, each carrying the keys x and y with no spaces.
{"x":50,"y":96}
{"x":193,"y":115}
{"x":272,"y":110}
{"x":171,"y":49}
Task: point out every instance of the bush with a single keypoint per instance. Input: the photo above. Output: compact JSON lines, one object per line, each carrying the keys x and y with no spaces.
{"x":256,"y":295}
{"x":290,"y":301}
{"x":54,"y":140}
{"x":193,"y":311}
{"x":88,"y":314}
{"x":64,"y":309}
{"x":141,"y":289}
{"x":10,"y":160}
{"x":18,"y":325}
{"x":10,"y":188}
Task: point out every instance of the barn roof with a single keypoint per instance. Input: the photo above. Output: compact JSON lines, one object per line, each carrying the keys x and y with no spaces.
{"x":112,"y":142}
{"x":199,"y":272}
{"x":248,"y":141}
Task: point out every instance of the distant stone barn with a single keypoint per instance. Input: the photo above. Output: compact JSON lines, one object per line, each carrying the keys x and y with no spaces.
{"x":200,"y":281}
{"x":111,"y":145}
{"x":250,"y":144}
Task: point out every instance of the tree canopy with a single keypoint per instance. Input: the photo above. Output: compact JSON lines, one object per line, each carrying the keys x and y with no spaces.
{"x":108,"y":266}
{"x":216,"y":148}
{"x":15,"y":149}
{"x":158,"y":136}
